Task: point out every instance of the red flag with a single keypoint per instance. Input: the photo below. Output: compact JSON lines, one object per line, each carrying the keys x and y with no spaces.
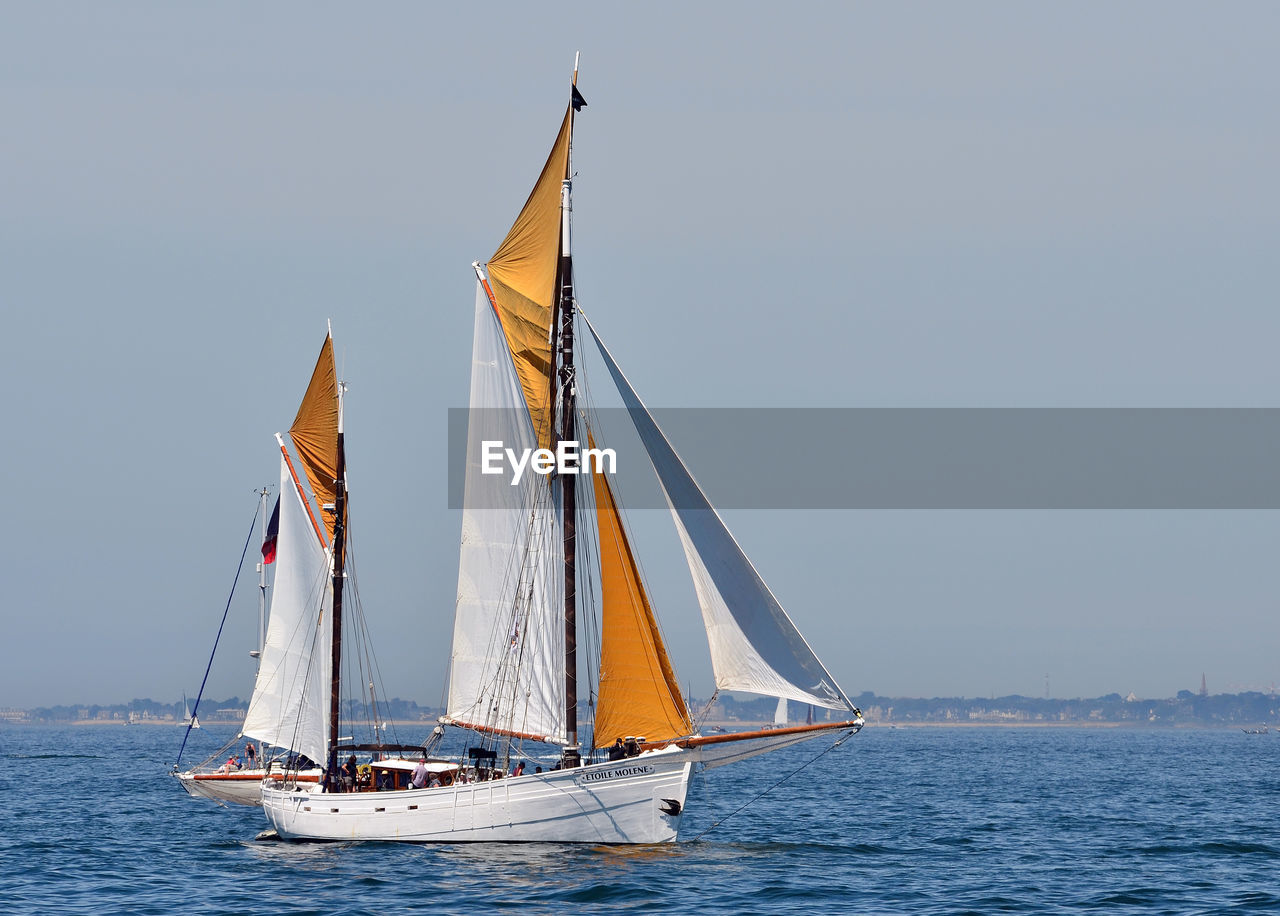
{"x":273,"y":529}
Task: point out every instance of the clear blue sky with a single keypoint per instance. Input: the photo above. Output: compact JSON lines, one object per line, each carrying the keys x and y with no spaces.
{"x":980,"y":205}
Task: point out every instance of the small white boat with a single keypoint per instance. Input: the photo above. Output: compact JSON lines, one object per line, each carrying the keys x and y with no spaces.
{"x":237,"y":787}
{"x":272,"y":724}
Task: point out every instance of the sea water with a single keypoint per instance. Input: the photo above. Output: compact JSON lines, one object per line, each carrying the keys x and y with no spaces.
{"x":906,"y":820}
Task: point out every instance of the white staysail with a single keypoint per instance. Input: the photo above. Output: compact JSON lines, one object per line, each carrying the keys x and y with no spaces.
{"x":508,"y":631}
{"x":755,"y":647}
{"x":290,"y":704}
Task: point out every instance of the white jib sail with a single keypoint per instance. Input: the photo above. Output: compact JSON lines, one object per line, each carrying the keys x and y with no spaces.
{"x":507,"y":664}
{"x":755,"y":646}
{"x":290,"y":704}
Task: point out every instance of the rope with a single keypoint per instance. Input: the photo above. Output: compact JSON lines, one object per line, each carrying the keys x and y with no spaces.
{"x":195,"y":709}
{"x":839,"y":741}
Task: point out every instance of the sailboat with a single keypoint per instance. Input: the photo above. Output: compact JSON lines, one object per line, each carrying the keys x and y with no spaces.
{"x":292,"y":649}
{"x":188,"y":720}
{"x":780,"y":713}
{"x":534,"y":549}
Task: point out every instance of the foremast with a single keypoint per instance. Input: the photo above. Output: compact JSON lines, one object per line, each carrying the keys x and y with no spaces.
{"x":339,"y":555}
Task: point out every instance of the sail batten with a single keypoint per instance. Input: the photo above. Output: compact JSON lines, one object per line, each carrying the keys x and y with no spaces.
{"x":754,"y":644}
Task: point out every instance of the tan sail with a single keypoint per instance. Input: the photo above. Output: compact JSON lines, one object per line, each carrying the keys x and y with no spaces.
{"x":639,"y":695}
{"x":522,"y":275}
{"x":315,"y":433}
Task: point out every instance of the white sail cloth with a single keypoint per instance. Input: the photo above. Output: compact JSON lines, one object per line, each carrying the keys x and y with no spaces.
{"x":755,"y":647}
{"x":507,"y":664}
{"x":290,"y":704}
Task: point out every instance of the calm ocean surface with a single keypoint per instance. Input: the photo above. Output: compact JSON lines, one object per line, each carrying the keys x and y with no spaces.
{"x":919,"y":820}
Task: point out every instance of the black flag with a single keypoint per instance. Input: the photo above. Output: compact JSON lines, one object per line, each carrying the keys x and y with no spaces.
{"x":578,"y":101}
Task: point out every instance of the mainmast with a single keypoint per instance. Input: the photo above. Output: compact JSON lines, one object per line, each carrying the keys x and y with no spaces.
{"x":565,"y":378}
{"x":339,"y":555}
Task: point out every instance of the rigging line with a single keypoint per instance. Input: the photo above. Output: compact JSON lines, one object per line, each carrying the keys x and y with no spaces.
{"x":507,"y":682}
{"x":591,"y":609}
{"x":370,"y":659}
{"x":706,"y":710}
{"x":364,"y":660}
{"x":304,"y":678}
{"x":839,"y":741}
{"x":257,"y":507}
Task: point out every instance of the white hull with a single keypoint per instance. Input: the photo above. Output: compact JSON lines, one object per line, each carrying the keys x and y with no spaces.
{"x":638,"y":800}
{"x":243,"y":787}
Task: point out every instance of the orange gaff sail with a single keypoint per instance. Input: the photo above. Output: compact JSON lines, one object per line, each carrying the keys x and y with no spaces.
{"x":315,"y":433}
{"x":639,"y":694}
{"x":522,"y":276}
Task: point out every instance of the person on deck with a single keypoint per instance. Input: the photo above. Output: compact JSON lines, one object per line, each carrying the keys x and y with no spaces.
{"x":251,"y":755}
{"x":519,"y":770}
{"x":419,"y":778}
{"x":617,"y":751}
{"x":348,"y":774}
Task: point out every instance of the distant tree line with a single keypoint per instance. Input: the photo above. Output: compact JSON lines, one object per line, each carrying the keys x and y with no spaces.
{"x":1187,"y":708}
{"x":210,"y":710}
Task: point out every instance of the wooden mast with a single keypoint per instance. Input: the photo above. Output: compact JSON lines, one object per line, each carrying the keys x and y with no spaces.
{"x":339,"y":555}
{"x":565,"y":432}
